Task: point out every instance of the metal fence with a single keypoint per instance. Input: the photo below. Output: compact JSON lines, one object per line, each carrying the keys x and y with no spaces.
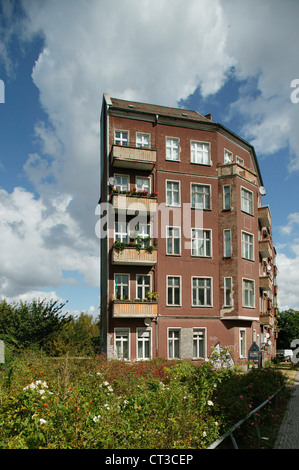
{"x":230,"y":432}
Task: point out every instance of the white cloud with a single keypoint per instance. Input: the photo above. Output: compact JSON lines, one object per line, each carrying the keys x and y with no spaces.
{"x":38,"y":242}
{"x":262,"y":38}
{"x":288,"y":281}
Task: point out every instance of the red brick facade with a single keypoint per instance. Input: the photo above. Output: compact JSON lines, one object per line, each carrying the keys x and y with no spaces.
{"x":208,"y":253}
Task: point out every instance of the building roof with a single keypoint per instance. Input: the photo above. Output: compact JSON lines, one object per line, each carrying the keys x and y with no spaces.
{"x":161,"y":110}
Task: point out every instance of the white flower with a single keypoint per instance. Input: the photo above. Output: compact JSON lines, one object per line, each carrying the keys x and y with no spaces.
{"x":204,"y":434}
{"x":42,"y":421}
{"x":106,"y":383}
{"x":210,"y":403}
{"x":96,"y":418}
{"x":216,"y":423}
{"x":110,"y":388}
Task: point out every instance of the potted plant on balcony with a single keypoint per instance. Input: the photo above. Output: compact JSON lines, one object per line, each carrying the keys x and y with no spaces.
{"x":152,"y":296}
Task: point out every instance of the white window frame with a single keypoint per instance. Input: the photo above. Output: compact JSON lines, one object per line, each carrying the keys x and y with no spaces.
{"x":230,"y":289}
{"x":252,"y":282}
{"x":122,"y":186}
{"x":225,"y":254}
{"x":128,"y":332}
{"x":206,"y":196}
{"x":122,"y":274}
{"x":172,"y":238}
{"x":171,"y":149}
{"x":247,"y":201}
{"x":173,"y":340}
{"x":173,"y":290}
{"x":141,"y":136}
{"x":205,"y":305}
{"x":226,"y":196}
{"x":204,"y":340}
{"x":242,"y":343}
{"x":247,"y":246}
{"x":201,"y":241}
{"x":144,"y":231}
{"x":121,"y":139}
{"x":228,"y":156}
{"x":121,"y":235}
{"x":197,"y":154}
{"x":143,"y":285}
{"x":239,"y":160}
{"x":143,"y":341}
{"x":178,"y":204}
{"x":142,"y":187}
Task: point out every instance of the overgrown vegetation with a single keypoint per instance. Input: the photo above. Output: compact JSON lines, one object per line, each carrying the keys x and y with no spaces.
{"x":63,"y":403}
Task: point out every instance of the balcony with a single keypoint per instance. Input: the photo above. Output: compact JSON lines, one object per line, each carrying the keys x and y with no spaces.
{"x":130,"y":204}
{"x":264,"y":216}
{"x":133,"y":256}
{"x":139,"y":158}
{"x":265,"y":283}
{"x":231,"y":169}
{"x":266,"y":319}
{"x":136,"y":309}
{"x":265,"y":248}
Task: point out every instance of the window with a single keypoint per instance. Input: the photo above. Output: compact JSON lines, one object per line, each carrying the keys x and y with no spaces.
{"x":142,"y":140}
{"x":173,"y":240}
{"x":121,"y":284}
{"x":121,"y":138}
{"x":248,"y":293}
{"x":121,"y":182}
{"x":239,"y":160}
{"x":143,"y":286}
{"x":228,"y":156}
{"x":247,"y":246}
{"x":121,"y":232}
{"x":228,"y":292}
{"x":200,"y":152}
{"x":173,"y":193}
{"x":201,"y":242}
{"x":199,"y":340}
{"x":142,"y":184}
{"x":122,"y":340}
{"x":173,"y":344}
{"x":242,"y":342}
{"x":144,"y":232}
{"x":227,"y":245}
{"x":246,"y":201}
{"x":173,"y":290}
{"x":200,"y":196}
{"x":226,"y":197}
{"x":143,"y":343}
{"x":172,"y":149}
{"x":201,"y":292}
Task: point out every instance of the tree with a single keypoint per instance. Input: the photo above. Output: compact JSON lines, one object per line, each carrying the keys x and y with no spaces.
{"x":80,"y":336}
{"x":31,"y":324}
{"x":287,"y":327}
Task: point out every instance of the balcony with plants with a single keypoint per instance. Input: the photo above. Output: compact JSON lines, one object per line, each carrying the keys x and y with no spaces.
{"x":138,"y":251}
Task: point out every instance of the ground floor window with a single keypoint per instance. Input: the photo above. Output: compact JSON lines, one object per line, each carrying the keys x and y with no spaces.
{"x":242,"y":342}
{"x":122,"y":343}
{"x":143,"y":343}
{"x":173,"y":344}
{"x":199,"y":343}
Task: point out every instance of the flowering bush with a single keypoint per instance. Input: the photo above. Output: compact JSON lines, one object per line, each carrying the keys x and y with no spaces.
{"x":158,"y":404}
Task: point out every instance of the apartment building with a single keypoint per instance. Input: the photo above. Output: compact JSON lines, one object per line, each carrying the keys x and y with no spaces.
{"x":187,"y":258}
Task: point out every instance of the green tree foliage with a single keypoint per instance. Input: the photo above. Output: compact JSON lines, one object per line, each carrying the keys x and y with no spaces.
{"x":288,"y":328}
{"x":79,"y":337}
{"x":31,"y":324}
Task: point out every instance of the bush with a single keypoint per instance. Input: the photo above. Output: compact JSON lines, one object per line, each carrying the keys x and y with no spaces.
{"x":95,"y":404}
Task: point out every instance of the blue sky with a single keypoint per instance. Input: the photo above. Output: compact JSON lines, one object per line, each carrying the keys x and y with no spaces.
{"x":57,"y":58}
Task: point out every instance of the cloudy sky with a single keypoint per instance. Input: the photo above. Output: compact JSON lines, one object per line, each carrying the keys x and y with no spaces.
{"x":234,"y":58}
